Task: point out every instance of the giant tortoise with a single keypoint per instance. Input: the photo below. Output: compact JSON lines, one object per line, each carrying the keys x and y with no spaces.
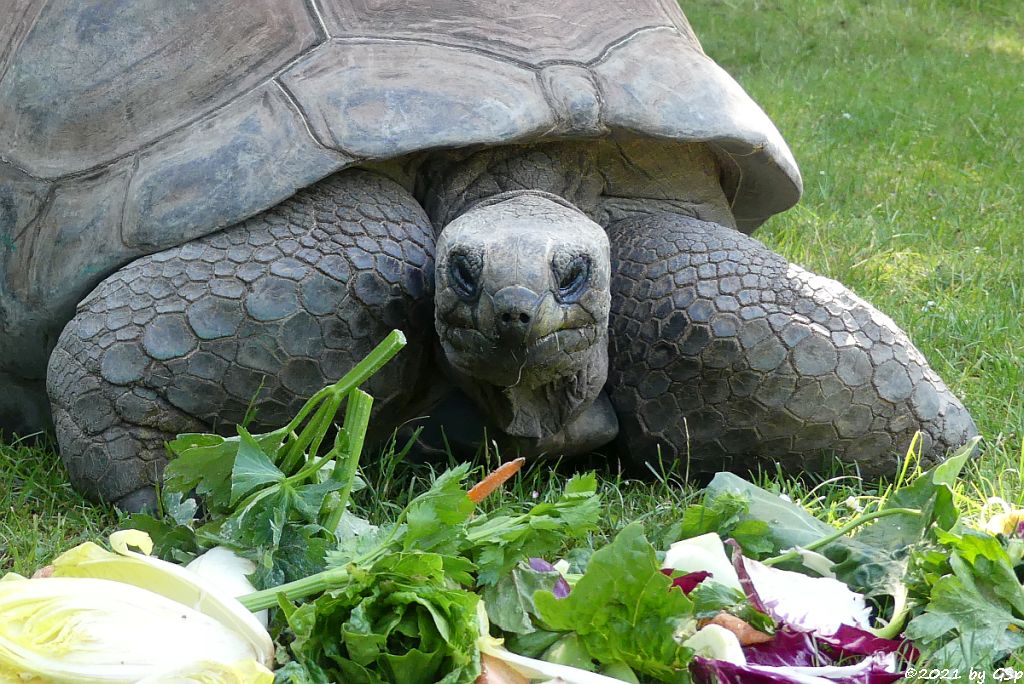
{"x":208,"y":204}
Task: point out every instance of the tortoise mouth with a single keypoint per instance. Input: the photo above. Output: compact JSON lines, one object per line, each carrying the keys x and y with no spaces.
{"x":491,"y":359}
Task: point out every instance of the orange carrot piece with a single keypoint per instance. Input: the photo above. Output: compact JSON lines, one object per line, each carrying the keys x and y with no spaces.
{"x":494,"y":480}
{"x":746,"y":634}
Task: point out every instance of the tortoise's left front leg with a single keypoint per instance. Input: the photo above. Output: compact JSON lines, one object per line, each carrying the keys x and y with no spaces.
{"x":722,"y":350}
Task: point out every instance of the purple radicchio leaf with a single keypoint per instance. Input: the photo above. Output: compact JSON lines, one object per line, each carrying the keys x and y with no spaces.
{"x":873,"y":670}
{"x":745,"y":581}
{"x":688,"y":582}
{"x":541,"y":565}
{"x":851,"y":640}
{"x":787,"y":647}
{"x":848,"y":640}
{"x":561,"y":588}
{"x":790,"y":647}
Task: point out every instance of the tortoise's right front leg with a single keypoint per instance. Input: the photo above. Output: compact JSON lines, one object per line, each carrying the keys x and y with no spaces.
{"x":269,"y":310}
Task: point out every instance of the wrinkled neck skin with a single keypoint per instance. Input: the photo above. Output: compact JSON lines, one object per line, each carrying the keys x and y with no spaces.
{"x":543,"y":410}
{"x":523,"y":266}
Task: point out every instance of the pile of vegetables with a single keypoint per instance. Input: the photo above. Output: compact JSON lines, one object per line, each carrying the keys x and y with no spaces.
{"x":282,"y":574}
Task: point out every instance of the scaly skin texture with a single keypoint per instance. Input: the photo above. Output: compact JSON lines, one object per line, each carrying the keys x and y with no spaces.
{"x":717,"y":349}
{"x":607,"y":180}
{"x":724,"y":350}
{"x":720,"y":350}
{"x":272,"y":309}
{"x":521,"y":310}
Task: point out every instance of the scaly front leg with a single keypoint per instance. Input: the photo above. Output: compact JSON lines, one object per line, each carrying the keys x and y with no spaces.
{"x":721,"y":349}
{"x":270,"y":310}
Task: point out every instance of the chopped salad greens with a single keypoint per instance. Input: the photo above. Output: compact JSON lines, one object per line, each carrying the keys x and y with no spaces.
{"x":744,"y":586}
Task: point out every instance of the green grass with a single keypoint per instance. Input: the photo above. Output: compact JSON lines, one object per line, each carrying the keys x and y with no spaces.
{"x":905,"y":118}
{"x":40,"y":514}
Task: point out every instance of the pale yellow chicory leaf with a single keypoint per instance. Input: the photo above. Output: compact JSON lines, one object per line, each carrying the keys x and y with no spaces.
{"x":208,"y":672}
{"x":172,"y":581}
{"x":1006,"y":523}
{"x":62,"y":629}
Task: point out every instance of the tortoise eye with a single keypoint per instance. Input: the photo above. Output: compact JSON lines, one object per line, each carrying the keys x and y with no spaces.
{"x":573,"y":279}
{"x":464,"y":274}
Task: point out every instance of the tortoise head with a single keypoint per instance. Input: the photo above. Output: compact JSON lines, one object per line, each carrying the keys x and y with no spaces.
{"x":521,"y":309}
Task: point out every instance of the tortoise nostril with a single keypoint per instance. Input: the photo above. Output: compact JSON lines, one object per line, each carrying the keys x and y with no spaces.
{"x":510,"y":318}
{"x":515,"y":308}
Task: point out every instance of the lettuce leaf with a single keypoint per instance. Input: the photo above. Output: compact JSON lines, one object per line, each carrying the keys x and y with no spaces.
{"x":624,"y":610}
{"x":399,"y":621}
{"x":510,"y":603}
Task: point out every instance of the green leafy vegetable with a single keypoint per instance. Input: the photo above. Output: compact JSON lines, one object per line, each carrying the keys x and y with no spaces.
{"x":876,"y":559}
{"x":434,"y":520}
{"x":789,"y":525}
{"x":623,"y":611}
{"x":510,"y":603}
{"x":272,"y":497}
{"x":397,"y":621}
{"x":359,"y":602}
{"x":497,"y":542}
{"x":711,"y":598}
{"x":440,"y":521}
{"x":725,"y":513}
{"x":974,"y":614}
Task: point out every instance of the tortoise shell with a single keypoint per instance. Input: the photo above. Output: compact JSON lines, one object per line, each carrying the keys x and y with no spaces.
{"x":130,"y":126}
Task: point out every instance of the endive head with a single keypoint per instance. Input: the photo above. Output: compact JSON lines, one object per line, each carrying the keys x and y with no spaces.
{"x":167,"y":579}
{"x":123,"y":617}
{"x":209,"y":672}
{"x":94,"y":630}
